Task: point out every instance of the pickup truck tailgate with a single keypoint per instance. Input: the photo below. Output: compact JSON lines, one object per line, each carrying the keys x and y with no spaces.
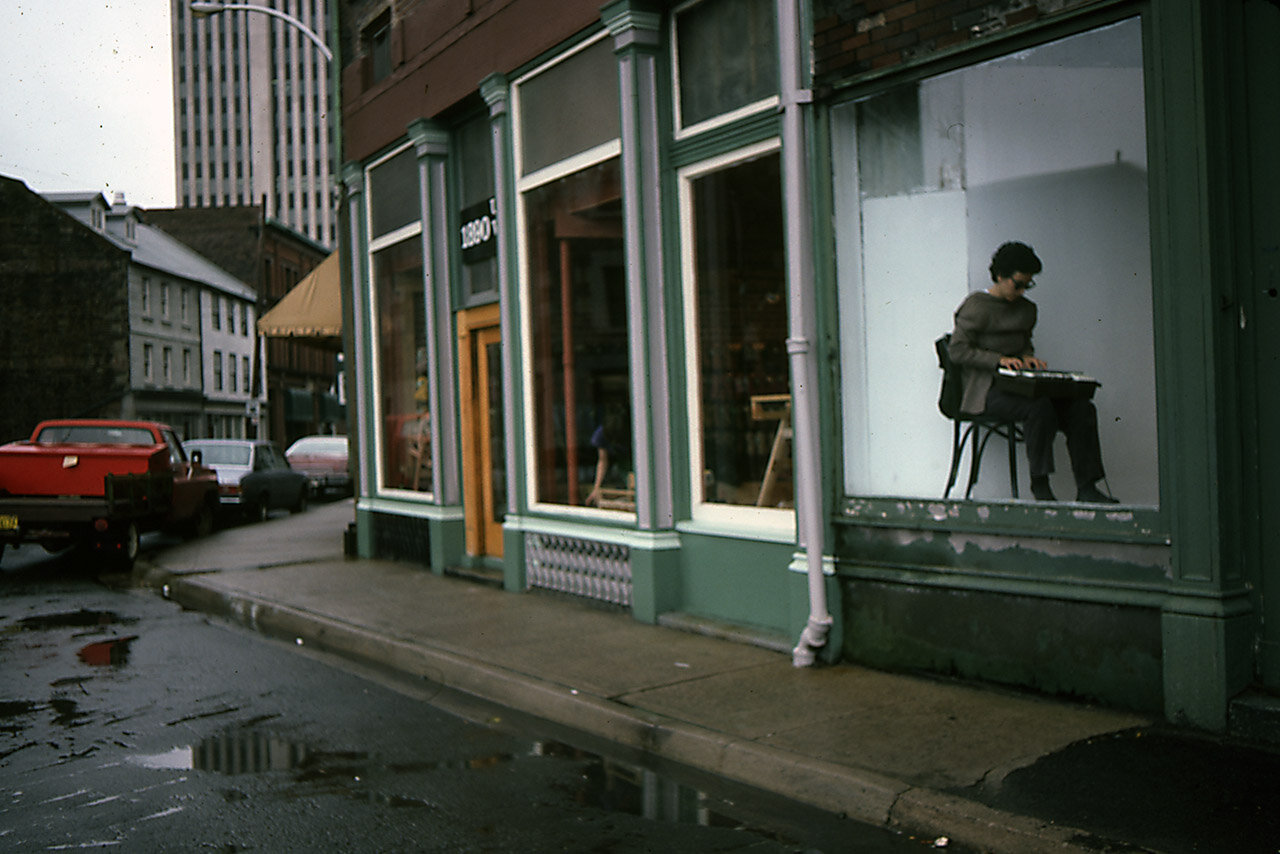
{"x":72,"y":470}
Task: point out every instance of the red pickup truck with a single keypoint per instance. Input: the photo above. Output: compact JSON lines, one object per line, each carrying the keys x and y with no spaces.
{"x":101,"y":483}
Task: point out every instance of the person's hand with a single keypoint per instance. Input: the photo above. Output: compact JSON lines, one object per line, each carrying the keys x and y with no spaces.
{"x":1012,"y":362}
{"x":1035,"y":364}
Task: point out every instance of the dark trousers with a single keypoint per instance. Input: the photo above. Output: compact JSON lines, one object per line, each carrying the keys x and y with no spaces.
{"x":1042,"y":418}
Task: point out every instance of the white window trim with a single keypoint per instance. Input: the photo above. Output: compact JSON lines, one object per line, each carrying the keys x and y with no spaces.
{"x":375,"y":245}
{"x":683,"y":131}
{"x":763,"y":523}
{"x":574,"y":163}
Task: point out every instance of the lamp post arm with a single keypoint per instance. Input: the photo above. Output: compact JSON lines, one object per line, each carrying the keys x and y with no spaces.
{"x":210,"y":8}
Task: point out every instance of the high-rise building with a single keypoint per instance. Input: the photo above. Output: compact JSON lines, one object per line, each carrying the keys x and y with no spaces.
{"x":253,"y":122}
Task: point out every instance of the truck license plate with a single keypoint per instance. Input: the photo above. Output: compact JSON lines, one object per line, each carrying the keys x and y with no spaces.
{"x":8,"y":523}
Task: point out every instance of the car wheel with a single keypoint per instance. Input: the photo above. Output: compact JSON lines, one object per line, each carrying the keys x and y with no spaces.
{"x":202,"y":524}
{"x":123,"y":550}
{"x":300,"y":506}
{"x":256,"y":511}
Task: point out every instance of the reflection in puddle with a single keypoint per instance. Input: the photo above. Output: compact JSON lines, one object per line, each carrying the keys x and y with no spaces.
{"x":603,"y":783}
{"x":232,"y":752}
{"x":107,"y":653}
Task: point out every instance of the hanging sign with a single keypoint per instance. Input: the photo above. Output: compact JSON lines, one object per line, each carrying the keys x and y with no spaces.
{"x":479,"y":231}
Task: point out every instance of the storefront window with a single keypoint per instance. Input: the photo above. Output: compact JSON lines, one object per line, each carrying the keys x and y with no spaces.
{"x":569,"y":107}
{"x":399,"y":312}
{"x":737,"y":321}
{"x":575,"y":283}
{"x":402,"y":367}
{"x":578,"y":327}
{"x":726,"y":58}
{"x":1046,"y":147}
{"x":393,"y":193}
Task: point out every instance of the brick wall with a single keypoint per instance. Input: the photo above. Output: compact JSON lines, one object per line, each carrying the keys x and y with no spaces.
{"x":852,"y":37}
{"x":64,"y":342}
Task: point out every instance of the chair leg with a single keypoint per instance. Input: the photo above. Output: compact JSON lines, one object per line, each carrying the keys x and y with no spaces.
{"x":975,"y":456}
{"x":1013,"y":458}
{"x":956,"y":445}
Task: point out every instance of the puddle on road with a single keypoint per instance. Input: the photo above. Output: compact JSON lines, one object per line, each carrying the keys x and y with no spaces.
{"x":82,"y":619}
{"x":601,"y":782}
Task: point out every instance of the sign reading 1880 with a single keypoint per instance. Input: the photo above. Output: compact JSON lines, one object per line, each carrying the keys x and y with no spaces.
{"x":479,"y":231}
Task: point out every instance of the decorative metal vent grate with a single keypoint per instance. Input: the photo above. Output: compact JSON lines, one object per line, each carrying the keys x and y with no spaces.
{"x":594,"y":570}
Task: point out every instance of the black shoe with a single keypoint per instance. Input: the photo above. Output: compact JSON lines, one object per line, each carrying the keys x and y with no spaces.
{"x":1041,"y":490}
{"x":1091,"y":494}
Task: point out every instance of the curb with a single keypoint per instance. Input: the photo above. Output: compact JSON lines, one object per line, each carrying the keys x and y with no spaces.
{"x":861,"y":795}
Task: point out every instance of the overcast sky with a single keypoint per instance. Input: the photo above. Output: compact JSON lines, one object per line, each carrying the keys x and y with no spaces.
{"x":86,"y":97}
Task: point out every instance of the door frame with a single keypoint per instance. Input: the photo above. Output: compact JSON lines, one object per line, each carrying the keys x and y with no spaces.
{"x":478,"y":328}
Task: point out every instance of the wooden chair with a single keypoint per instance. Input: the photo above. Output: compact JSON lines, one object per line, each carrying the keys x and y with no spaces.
{"x":973,"y":430}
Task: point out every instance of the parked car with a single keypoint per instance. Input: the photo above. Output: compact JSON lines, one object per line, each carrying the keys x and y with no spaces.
{"x":254,"y":478}
{"x":323,"y":459}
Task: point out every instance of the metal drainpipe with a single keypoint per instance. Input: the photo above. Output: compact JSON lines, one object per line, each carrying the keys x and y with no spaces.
{"x":802,"y":321}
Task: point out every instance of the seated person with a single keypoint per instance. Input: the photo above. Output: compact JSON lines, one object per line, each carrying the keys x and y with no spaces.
{"x":993,"y":330}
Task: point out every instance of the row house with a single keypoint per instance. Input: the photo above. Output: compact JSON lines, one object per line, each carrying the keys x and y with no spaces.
{"x":644,"y":300}
{"x":303,"y":384}
{"x":111,"y":317}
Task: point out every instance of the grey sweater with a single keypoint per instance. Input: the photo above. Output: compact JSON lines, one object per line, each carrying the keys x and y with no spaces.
{"x":987,"y":328}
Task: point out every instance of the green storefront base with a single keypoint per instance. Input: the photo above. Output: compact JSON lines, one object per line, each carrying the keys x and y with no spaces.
{"x":737,"y":581}
{"x":1135,"y":655}
{"x":1096,"y":651}
{"x":431,"y":535}
{"x":1208,"y":659}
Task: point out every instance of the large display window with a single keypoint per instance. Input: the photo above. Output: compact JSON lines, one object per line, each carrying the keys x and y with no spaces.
{"x":399,"y":310}
{"x":574,"y":283}
{"x":1047,"y":147}
{"x":736,"y":330}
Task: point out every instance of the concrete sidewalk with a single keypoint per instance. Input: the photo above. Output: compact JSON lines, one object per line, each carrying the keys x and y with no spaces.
{"x":892,"y":750}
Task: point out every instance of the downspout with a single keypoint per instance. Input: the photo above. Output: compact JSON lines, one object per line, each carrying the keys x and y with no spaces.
{"x":802,"y":321}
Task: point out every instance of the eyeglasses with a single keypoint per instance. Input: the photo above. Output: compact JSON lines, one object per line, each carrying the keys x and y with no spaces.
{"x":1023,"y":286}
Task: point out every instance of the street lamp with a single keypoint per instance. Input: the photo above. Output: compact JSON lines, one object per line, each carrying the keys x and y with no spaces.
{"x":201,"y":8}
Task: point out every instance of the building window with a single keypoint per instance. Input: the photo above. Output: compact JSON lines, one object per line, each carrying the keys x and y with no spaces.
{"x":148,"y":360}
{"x":164,"y":300}
{"x":574,"y":267}
{"x":232,"y":385}
{"x":245,"y":374}
{"x":726,"y":61}
{"x":244,"y":320}
{"x":146,"y":296}
{"x":186,"y":367}
{"x":736,"y":330}
{"x":166,"y":364}
{"x":399,"y":304}
{"x":393,"y":197}
{"x":217,"y":370}
{"x":578,"y":334}
{"x":377,"y":44}
{"x":402,"y":366}
{"x":215,"y":310}
{"x":930,"y":178}
{"x":183,"y":299}
{"x":477,"y":220}
{"x":564,"y":110}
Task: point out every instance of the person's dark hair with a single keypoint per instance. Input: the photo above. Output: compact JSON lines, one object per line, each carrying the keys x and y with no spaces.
{"x":1014,"y":257}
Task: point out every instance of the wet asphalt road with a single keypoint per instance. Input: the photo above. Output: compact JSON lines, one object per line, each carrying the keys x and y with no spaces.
{"x":128,"y":723}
